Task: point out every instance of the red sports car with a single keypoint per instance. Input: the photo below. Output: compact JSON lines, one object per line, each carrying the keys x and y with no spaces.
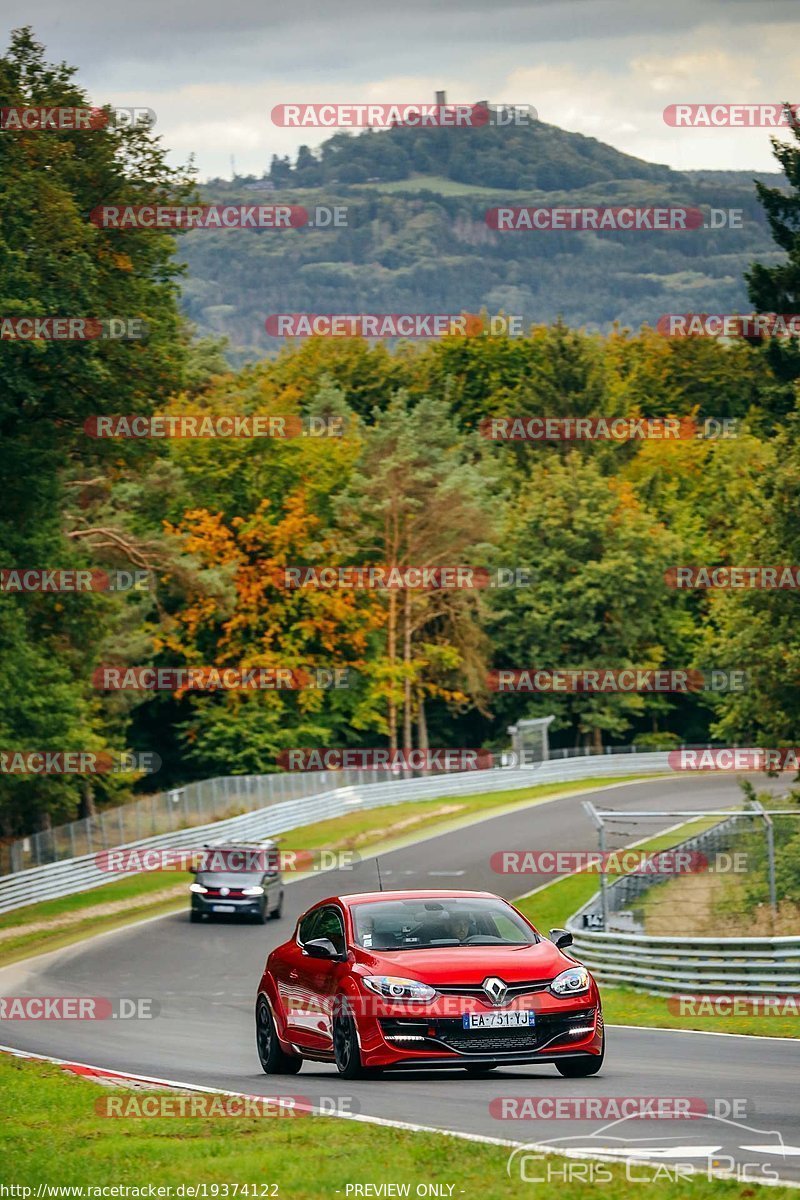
{"x":422,"y":979}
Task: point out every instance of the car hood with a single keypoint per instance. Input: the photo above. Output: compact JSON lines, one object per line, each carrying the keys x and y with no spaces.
{"x":231,"y":879}
{"x":468,"y":964}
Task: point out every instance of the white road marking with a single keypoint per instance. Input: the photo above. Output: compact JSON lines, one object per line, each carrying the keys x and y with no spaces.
{"x":787,"y":1151}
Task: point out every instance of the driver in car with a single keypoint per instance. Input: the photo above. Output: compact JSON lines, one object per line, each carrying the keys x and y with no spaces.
{"x":461,"y":927}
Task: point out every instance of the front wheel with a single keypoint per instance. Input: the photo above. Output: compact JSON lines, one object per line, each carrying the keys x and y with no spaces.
{"x":582,"y":1064}
{"x":274,"y":1060}
{"x":277,"y":912}
{"x":346,"y":1050}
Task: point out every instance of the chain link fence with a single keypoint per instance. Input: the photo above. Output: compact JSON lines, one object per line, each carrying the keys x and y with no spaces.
{"x":210,"y":800}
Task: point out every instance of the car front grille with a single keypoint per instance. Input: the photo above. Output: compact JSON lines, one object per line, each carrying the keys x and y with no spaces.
{"x":446,"y":1033}
{"x":515,"y":990}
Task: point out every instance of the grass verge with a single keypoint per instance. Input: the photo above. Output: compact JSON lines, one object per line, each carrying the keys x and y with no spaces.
{"x":55,"y":923}
{"x":552,"y":906}
{"x":55,"y":1137}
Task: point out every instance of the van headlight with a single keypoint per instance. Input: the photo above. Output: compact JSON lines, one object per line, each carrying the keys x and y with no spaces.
{"x":392,"y":988}
{"x":197,"y":887}
{"x":253,"y":891}
{"x":571,"y":982}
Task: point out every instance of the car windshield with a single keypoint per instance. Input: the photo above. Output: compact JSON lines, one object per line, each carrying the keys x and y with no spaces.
{"x":245,"y":860}
{"x":425,"y":924}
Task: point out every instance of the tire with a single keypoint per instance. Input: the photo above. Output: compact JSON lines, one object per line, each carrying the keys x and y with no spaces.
{"x":346,"y":1050}
{"x":582,"y":1064}
{"x":195,"y":916}
{"x":277,"y":912}
{"x":274,"y":1061}
{"x":262,"y":916}
{"x":479,"y":1069}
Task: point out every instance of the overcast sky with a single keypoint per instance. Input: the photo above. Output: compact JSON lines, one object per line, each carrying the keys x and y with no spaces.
{"x":607,"y":68}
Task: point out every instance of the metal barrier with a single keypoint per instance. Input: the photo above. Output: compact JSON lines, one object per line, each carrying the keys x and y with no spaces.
{"x":79,"y":874}
{"x":196,"y":804}
{"x":665,"y":966}
{"x":669,"y":965}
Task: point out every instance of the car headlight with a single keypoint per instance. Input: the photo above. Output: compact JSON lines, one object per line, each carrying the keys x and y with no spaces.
{"x":197,"y":887}
{"x":571,"y":982}
{"x":392,"y":988}
{"x":253,"y":891}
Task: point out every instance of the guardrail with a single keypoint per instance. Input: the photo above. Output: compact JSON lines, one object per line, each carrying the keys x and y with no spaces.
{"x":669,"y":965}
{"x":80,"y":874}
{"x":665,"y":966}
{"x":199,"y":803}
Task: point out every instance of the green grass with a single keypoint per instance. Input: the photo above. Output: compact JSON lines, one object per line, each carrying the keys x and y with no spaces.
{"x":54,"y":1136}
{"x":436,"y":183}
{"x":364,"y":830}
{"x":551,"y":907}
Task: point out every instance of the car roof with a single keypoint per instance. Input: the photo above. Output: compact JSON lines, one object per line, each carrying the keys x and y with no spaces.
{"x":422,"y":894}
{"x":263,"y":845}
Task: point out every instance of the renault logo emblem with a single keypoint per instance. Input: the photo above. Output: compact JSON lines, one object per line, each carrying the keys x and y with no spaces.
{"x":495,"y":989}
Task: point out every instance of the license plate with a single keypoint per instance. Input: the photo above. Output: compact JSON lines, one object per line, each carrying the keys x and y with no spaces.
{"x":504,"y":1020}
{"x":223,"y":908}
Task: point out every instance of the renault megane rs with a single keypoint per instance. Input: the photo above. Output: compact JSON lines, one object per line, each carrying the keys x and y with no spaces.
{"x":423,"y":979}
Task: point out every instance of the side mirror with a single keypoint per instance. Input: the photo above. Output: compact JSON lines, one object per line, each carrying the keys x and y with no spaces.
{"x":561,"y":937}
{"x":322,"y":948}
{"x":192,"y":870}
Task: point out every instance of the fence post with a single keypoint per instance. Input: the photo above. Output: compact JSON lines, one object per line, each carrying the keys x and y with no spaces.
{"x":770,"y":832}
{"x":601,"y":839}
{"x":773,"y":897}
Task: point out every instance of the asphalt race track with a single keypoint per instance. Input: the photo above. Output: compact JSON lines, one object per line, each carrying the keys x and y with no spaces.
{"x":204,"y":979}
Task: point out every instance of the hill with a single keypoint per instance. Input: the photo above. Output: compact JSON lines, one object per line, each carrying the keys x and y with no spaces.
{"x":417,"y":239}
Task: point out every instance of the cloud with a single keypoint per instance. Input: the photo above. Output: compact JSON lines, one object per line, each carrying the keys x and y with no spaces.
{"x":606,"y":68}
